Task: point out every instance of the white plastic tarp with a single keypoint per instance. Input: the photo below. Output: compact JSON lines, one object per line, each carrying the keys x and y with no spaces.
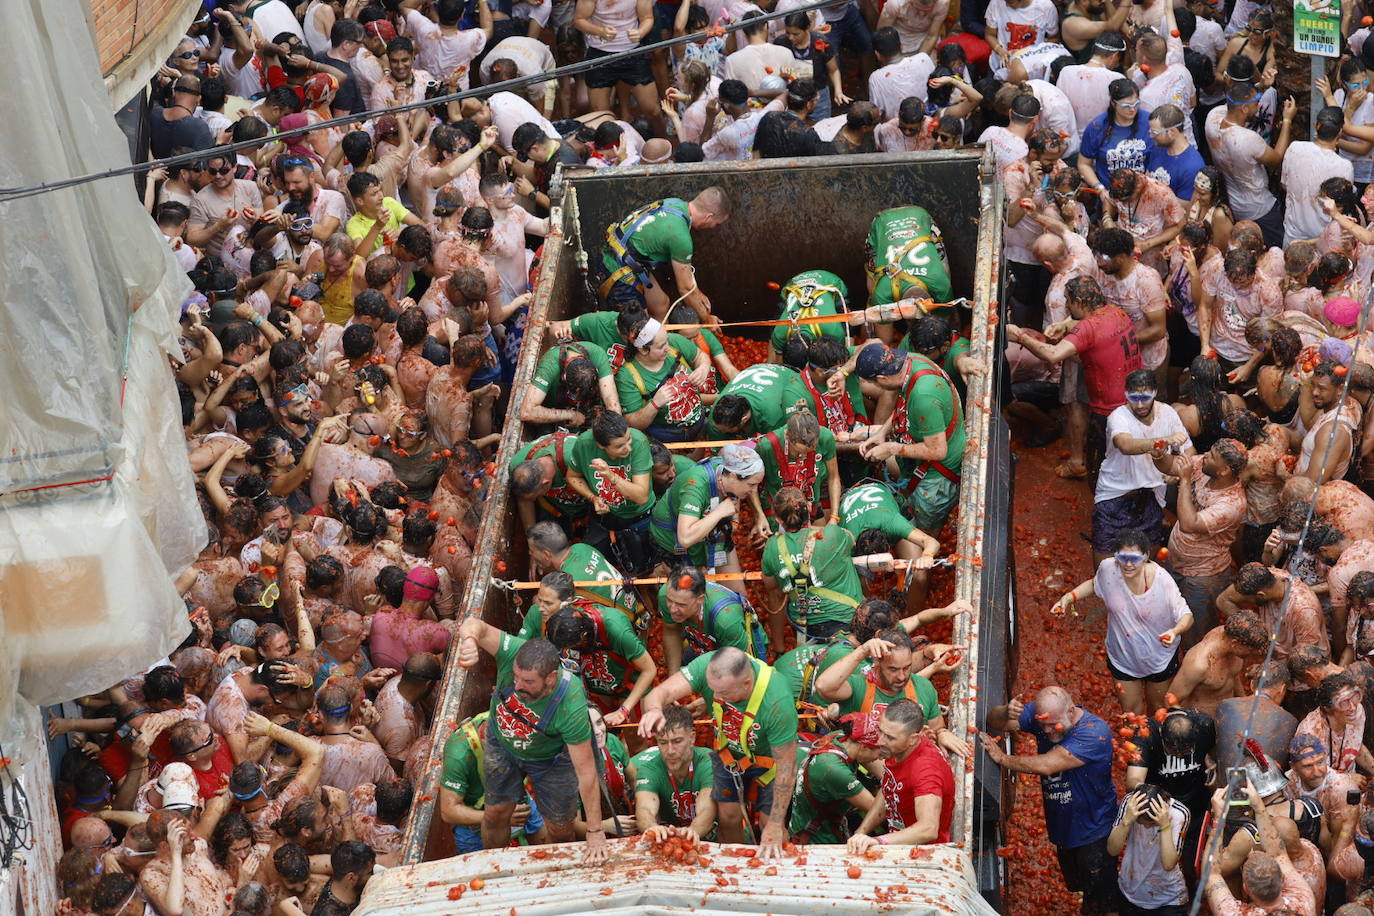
{"x":97,"y":508}
{"x":553,"y":881}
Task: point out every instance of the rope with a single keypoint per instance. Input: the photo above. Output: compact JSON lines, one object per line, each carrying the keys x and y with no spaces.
{"x":863,"y":562}
{"x":229,"y":149}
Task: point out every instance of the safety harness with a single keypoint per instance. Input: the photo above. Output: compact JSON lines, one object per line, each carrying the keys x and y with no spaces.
{"x":618,"y":239}
{"x":800,"y":474}
{"x":901,"y":431}
{"x":565,"y":492}
{"x":474,"y":740}
{"x":632,"y":369}
{"x":802,"y":300}
{"x":871,"y":690}
{"x":826,"y":814}
{"x":704,"y":640}
{"x":762,"y":675}
{"x":835,"y":413}
{"x":546,"y":717}
{"x":799,"y":577}
{"x":712,"y":467}
{"x":894,"y":273}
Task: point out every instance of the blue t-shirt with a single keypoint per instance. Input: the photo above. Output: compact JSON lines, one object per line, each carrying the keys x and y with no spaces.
{"x":1080,"y":804}
{"x":1178,"y":171}
{"x":1111,"y":146}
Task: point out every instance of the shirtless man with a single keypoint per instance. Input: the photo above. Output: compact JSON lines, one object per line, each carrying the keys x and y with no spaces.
{"x":210,"y":580}
{"x":1213,"y":670}
{"x":454,"y":411}
{"x":462,"y":489}
{"x":346,"y":454}
{"x":1263,"y":589}
{"x":413,"y":369}
{"x":1340,"y":503}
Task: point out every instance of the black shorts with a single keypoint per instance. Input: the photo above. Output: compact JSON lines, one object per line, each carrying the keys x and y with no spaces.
{"x":1184,"y":345}
{"x":627,"y":544}
{"x":634,"y":71}
{"x":1091,"y":871}
{"x":1135,"y":510}
{"x":1160,"y":678}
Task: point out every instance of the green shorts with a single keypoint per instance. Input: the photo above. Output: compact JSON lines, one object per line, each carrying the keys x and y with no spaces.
{"x":932,"y":501}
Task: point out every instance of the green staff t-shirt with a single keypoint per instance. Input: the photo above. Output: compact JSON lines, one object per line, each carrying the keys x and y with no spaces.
{"x":516,"y":721}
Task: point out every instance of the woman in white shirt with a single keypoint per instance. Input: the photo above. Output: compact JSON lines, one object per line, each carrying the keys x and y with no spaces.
{"x":1146,"y":615}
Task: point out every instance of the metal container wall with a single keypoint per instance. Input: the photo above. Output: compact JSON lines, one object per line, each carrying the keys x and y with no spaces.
{"x":790,"y":216}
{"x":551,"y":881}
{"x":770,"y":237}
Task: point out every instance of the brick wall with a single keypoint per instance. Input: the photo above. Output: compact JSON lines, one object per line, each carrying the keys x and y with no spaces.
{"x":133,"y":37}
{"x":121,"y":24}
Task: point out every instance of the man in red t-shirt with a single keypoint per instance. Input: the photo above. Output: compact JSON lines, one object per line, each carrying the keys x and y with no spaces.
{"x":917,"y":787}
{"x":1104,"y":341}
{"x":196,"y":744}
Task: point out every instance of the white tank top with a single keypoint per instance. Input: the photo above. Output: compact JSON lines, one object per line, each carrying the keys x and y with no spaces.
{"x":1317,"y":438}
{"x":315,"y":39}
{"x":621,"y":15}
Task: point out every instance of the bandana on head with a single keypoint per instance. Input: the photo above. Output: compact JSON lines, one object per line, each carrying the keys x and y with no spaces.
{"x":647,"y":333}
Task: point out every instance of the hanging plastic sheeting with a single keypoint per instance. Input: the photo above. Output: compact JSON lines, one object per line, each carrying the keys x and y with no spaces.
{"x":97,"y":509}
{"x":552,"y":881}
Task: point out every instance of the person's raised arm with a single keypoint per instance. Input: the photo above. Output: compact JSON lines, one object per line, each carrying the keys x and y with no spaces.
{"x":213,"y":486}
{"x":456,"y":166}
{"x":833,"y":683}
{"x":170,"y":900}
{"x":1121,"y":830}
{"x":311,"y":751}
{"x":243,"y":45}
{"x":1273,"y":157}
{"x":670,"y":691}
{"x":290,"y":481}
{"x":211,"y":355}
{"x":1056,"y":760}
{"x":475,"y":634}
{"x":932,"y":615}
{"x":1005,"y":718}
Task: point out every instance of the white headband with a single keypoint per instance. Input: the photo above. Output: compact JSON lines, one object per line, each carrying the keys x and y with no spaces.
{"x":647,"y":333}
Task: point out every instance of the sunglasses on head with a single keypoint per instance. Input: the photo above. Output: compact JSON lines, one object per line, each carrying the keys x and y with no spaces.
{"x":220,"y":171}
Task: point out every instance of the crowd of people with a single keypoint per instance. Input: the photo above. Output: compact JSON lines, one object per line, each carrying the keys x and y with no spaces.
{"x":1188,"y":286}
{"x":347,"y":366}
